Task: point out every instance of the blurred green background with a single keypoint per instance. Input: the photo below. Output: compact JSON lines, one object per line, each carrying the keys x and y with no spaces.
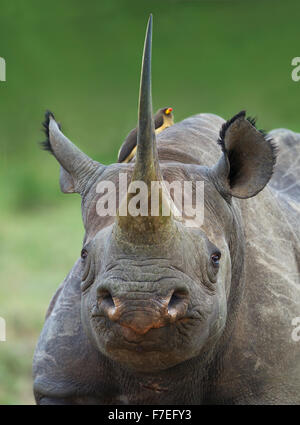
{"x":82,"y":61}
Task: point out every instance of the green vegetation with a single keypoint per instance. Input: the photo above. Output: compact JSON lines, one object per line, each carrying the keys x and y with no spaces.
{"x":81,"y":60}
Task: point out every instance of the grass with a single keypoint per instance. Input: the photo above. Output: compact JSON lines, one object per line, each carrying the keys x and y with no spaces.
{"x":37,"y":250}
{"x":82,"y":60}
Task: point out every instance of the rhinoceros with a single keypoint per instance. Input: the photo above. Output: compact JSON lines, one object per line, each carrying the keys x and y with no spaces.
{"x":160,"y":309}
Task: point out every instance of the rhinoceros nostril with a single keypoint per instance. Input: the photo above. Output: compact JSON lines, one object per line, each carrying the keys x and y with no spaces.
{"x":106,"y":302}
{"x":178,"y":304}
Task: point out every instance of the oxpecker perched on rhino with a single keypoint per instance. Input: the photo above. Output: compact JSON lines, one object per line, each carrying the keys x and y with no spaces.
{"x":159,"y":310}
{"x":163,"y":119}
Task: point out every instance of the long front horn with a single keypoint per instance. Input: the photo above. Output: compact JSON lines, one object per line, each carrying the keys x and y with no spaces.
{"x":145,"y":229}
{"x":146,"y":166}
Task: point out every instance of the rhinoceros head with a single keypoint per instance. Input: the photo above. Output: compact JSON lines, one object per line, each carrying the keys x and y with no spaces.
{"x":156,"y":292}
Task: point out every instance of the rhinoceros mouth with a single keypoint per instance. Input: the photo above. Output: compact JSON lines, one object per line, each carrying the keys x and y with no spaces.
{"x":157,"y":349}
{"x":152,"y":353}
{"x":126,"y":338}
{"x":118,"y":338}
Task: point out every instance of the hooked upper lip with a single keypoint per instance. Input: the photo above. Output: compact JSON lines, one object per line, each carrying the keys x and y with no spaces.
{"x":126,"y":339}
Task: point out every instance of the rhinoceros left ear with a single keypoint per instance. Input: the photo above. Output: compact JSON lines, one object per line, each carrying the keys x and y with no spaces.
{"x":76,"y":167}
{"x":248,"y":158}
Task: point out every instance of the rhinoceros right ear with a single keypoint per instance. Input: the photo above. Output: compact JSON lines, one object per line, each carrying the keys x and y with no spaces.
{"x":76,"y":167}
{"x":248,"y":158}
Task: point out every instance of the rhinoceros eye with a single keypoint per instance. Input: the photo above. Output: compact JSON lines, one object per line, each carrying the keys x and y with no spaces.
{"x":215,"y":258}
{"x":84,"y":253}
{"x":88,"y":269}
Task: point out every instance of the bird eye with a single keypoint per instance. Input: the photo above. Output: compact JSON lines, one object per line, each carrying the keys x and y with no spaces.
{"x":84,"y":253}
{"x":215,"y":258}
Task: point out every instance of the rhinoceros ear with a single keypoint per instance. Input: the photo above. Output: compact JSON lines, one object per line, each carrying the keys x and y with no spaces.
{"x":248,"y":158}
{"x":76,"y":167}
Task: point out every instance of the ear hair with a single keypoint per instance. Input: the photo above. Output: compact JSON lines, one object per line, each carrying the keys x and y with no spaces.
{"x":225,"y":127}
{"x":46,"y":145}
{"x":252,"y":121}
{"x":249,"y":157}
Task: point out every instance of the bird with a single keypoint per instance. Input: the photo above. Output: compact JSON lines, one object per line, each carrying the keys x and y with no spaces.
{"x":163,"y":119}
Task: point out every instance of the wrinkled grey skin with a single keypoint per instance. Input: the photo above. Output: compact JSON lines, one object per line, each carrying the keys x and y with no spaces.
{"x":232,"y":343}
